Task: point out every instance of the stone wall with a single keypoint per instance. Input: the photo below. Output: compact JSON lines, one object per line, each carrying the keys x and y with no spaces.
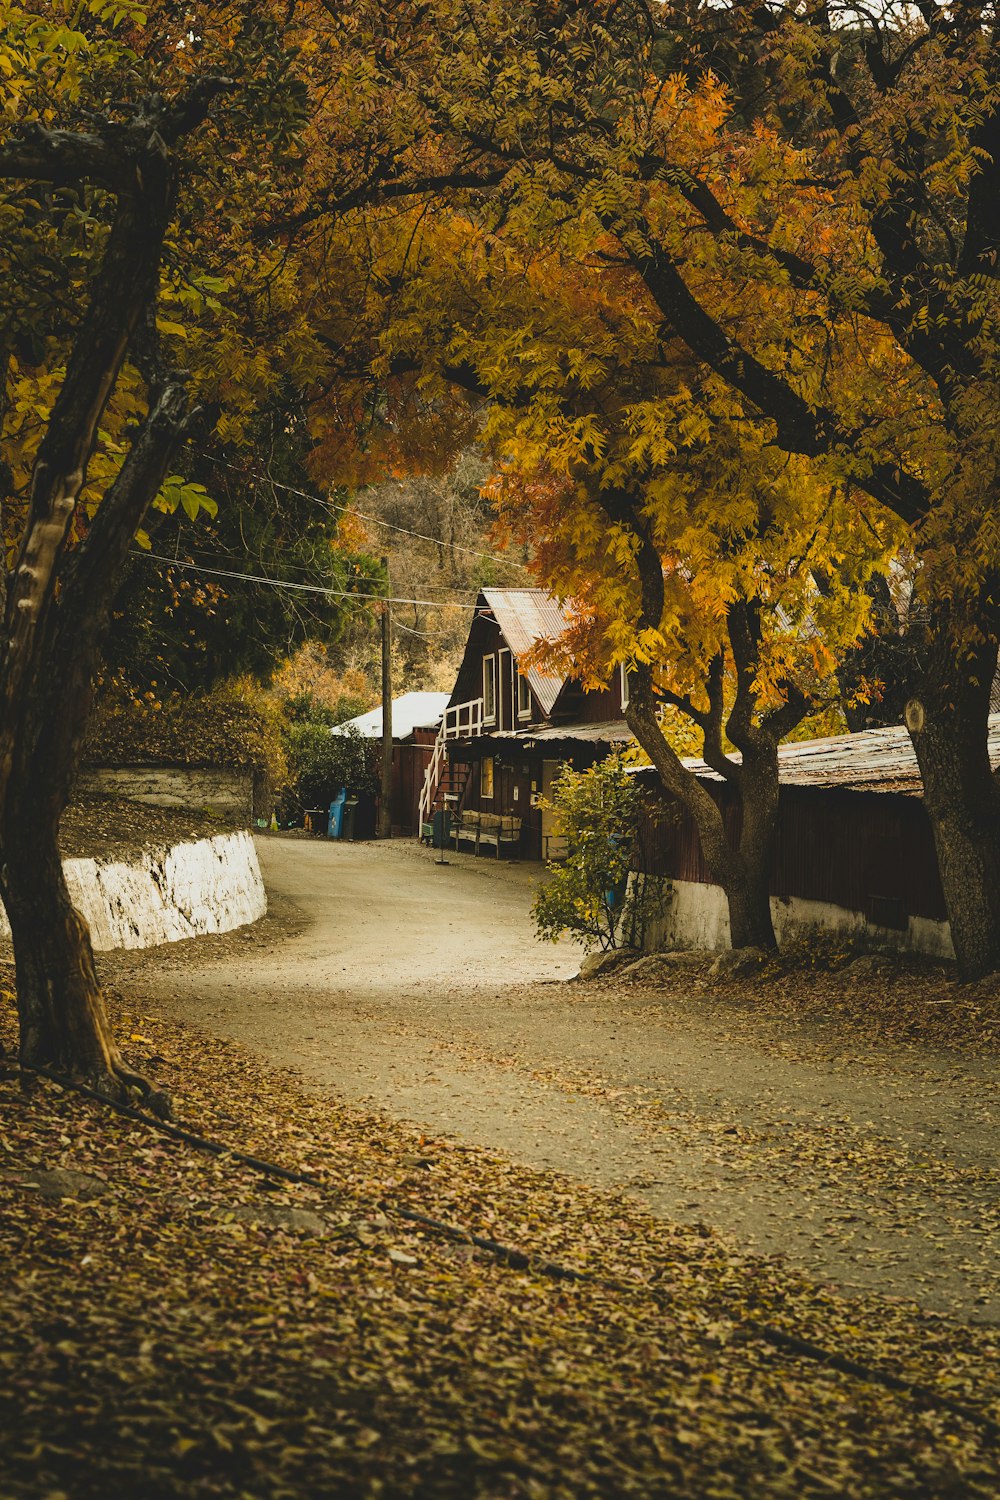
{"x":229,"y":793}
{"x":696,"y":916}
{"x":208,"y":885}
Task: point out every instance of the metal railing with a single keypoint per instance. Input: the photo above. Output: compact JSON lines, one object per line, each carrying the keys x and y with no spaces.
{"x":463,"y":721}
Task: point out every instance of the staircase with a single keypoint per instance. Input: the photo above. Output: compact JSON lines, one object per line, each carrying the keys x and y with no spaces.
{"x":445,"y":781}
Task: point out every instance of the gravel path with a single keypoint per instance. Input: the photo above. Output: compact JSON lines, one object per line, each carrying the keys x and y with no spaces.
{"x":419,"y":990}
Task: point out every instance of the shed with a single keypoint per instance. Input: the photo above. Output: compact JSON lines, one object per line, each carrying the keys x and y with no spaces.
{"x":855,"y":852}
{"x":415,"y":720}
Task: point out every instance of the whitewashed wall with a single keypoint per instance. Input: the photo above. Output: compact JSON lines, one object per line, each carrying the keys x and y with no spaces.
{"x":163,"y":895}
{"x":696,"y":917}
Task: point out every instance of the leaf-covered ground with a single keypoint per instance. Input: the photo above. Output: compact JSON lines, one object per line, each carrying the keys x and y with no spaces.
{"x":176,"y":1324}
{"x":846,"y":1119}
{"x":96,"y":827}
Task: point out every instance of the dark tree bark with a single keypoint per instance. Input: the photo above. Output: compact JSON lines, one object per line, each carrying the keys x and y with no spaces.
{"x":57,"y":596}
{"x":742,"y":870}
{"x":949,"y":732}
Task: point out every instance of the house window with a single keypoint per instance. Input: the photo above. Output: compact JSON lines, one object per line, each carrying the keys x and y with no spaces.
{"x":486,"y":778}
{"x":489,"y":689}
{"x":523,"y":698}
{"x":623,"y":677}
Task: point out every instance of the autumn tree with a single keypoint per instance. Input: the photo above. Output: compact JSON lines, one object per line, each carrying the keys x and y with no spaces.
{"x":836,"y":172}
{"x":189,"y":612}
{"x":725,"y":575}
{"x":181,"y":196}
{"x":725,"y":578}
{"x":109,"y":193}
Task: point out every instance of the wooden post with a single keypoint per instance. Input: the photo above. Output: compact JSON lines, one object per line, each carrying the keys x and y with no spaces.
{"x":385,"y":803}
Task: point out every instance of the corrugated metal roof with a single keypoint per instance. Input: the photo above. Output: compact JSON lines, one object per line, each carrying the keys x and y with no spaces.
{"x":525,"y":617}
{"x":410,"y":711}
{"x":876,"y":760}
{"x":613,"y":732}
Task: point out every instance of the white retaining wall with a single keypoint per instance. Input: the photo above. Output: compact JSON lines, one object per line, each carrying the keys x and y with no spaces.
{"x":163,"y":895}
{"x":696,"y":916}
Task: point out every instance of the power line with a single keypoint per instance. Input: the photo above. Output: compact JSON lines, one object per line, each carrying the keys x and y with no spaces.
{"x":422,"y":536}
{"x":297,"y":588}
{"x":218,"y":555}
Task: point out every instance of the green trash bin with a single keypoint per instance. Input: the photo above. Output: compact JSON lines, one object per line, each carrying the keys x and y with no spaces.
{"x":348,"y":822}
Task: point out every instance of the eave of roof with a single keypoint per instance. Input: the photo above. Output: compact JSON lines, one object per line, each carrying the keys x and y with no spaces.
{"x":613,"y":732}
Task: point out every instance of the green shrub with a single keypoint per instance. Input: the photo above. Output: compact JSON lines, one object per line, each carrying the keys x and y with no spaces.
{"x":306,"y":708}
{"x":320,"y":763}
{"x":590,"y":893}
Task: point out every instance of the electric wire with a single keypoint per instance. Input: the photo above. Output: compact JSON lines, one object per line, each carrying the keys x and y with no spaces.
{"x":298,"y":588}
{"x":217,"y":556}
{"x":522,"y":1260}
{"x":361,"y":515}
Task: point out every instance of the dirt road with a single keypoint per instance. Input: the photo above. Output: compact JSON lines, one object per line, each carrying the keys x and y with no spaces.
{"x":419,"y":990}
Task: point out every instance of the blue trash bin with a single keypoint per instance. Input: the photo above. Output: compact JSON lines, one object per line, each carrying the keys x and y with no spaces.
{"x":336,"y":814}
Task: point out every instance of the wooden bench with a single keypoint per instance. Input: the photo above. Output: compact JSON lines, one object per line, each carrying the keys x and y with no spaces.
{"x":492,"y":829}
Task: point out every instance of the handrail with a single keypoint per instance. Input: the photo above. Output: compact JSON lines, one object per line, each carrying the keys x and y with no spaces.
{"x":461,"y":721}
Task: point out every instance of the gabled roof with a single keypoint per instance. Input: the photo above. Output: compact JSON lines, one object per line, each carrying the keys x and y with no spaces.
{"x":525,"y":617}
{"x":410,"y":711}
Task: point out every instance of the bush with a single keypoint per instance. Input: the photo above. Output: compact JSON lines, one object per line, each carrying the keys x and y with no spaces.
{"x":590,"y":892}
{"x":320,"y":763}
{"x":234,"y":725}
{"x":306,"y":708}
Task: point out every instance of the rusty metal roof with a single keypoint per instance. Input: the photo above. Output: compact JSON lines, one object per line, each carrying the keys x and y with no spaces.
{"x":612,"y":732}
{"x":525,"y":617}
{"x":876,"y":760}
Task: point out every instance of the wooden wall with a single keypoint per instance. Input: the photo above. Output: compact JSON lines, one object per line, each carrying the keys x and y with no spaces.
{"x":871,"y":852}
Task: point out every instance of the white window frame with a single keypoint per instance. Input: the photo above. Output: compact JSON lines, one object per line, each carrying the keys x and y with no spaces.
{"x":485,"y":796}
{"x":490,"y":679}
{"x":523,"y":697}
{"x":505,"y":687}
{"x":623,"y":685}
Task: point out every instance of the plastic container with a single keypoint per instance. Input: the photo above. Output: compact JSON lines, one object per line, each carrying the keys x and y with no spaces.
{"x":441,"y":828}
{"x":336,"y":814}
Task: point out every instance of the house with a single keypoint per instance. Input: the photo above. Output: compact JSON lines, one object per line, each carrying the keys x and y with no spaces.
{"x":855,"y":852}
{"x":509,"y":727}
{"x":415,"y":721}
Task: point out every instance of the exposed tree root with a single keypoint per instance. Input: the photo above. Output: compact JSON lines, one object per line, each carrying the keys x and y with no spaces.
{"x":126,"y":1083}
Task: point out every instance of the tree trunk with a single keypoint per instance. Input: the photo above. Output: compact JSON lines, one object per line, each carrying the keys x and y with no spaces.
{"x":743,"y":873}
{"x":950,"y":737}
{"x":63,"y":1019}
{"x":749,"y":902}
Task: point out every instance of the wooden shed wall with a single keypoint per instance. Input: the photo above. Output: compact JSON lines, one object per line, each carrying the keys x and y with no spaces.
{"x":410,"y":759}
{"x":871,"y":852}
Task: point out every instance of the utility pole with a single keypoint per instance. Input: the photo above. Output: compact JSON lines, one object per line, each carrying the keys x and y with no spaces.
{"x":385,"y":804}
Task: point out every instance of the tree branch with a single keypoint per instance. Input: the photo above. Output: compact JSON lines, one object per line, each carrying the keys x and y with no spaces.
{"x":800,"y":427}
